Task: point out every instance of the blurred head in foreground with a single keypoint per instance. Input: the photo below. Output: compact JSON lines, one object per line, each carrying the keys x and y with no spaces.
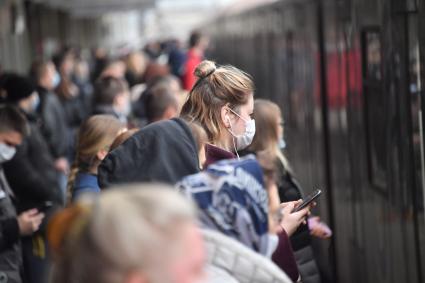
{"x":134,"y":234}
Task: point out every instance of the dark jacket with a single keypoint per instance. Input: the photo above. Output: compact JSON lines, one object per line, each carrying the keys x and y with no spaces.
{"x":10,"y":250}
{"x":75,"y":111}
{"x":290,"y":190}
{"x":53,"y":123}
{"x":85,"y":183}
{"x":164,"y":151}
{"x":31,"y":173}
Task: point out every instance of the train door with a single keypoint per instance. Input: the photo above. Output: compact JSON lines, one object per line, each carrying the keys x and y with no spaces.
{"x":390,"y":210}
{"x":410,"y":149}
{"x":417,"y":79}
{"x":374,"y":137}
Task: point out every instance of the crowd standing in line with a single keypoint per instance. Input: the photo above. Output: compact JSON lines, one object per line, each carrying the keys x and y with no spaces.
{"x":165,"y":167}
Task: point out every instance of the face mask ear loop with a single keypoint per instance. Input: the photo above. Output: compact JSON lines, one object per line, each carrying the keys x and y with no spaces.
{"x":234,"y":146}
{"x":233,"y":139}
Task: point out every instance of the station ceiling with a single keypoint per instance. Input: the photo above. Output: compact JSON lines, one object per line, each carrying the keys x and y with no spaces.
{"x":90,"y":8}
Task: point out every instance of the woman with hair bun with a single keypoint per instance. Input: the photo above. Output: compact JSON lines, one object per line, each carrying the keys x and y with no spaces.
{"x":222,"y":101}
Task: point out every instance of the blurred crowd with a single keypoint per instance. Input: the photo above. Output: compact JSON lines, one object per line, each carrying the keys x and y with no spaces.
{"x":153,"y":166}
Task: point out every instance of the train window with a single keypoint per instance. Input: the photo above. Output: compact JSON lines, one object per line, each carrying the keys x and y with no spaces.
{"x":375,"y":101}
{"x":373,"y":55}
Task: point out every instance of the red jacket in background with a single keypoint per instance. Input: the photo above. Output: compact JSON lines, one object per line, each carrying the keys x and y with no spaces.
{"x":192,"y":60}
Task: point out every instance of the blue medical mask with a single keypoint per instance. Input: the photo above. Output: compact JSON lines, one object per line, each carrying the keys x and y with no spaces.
{"x":282,"y":143}
{"x":56,"y":80}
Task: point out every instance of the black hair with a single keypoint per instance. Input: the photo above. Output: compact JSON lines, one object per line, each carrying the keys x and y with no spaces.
{"x":11,"y":119}
{"x":195,"y":38}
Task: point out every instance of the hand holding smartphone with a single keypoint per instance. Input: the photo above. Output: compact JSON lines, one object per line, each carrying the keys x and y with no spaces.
{"x":309,"y":199}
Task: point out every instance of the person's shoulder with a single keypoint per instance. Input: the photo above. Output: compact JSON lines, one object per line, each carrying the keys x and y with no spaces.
{"x":51,"y":99}
{"x":86,"y":182}
{"x":228,"y":255}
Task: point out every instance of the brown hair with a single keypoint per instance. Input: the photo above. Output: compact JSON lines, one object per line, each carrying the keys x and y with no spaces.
{"x":38,"y":70}
{"x":215,"y":88}
{"x":96,"y":133}
{"x":137,"y":63}
{"x":266,"y":114}
{"x":107,"y":88}
{"x":121,"y":138}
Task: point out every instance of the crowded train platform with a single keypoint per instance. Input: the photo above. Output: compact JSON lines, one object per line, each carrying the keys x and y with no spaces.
{"x":212,"y":141}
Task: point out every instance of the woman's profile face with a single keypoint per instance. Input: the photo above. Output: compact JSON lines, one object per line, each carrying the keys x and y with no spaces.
{"x":245,"y":112}
{"x":279,"y":127}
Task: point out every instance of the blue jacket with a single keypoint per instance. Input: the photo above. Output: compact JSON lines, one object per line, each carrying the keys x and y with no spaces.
{"x":85,"y":182}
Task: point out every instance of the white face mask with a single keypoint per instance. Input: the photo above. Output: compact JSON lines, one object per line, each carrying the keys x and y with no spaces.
{"x":6,"y":152}
{"x":126,"y":109}
{"x":282,"y":143}
{"x":244,"y":140}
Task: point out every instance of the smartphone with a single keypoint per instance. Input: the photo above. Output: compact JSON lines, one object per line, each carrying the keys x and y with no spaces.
{"x":310,"y":198}
{"x":44,"y":206}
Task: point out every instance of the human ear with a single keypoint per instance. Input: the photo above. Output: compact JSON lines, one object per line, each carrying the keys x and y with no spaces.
{"x":101,"y":154}
{"x":225,"y":119}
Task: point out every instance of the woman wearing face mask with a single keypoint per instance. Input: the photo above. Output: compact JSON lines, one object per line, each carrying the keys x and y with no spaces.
{"x":222,"y":102}
{"x":269,"y":140}
{"x":94,"y":140}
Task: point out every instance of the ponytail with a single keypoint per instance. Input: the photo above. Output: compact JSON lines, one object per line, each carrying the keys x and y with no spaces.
{"x":71,"y":180}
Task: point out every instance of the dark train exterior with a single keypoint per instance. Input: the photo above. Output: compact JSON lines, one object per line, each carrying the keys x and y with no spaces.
{"x":348,"y":75}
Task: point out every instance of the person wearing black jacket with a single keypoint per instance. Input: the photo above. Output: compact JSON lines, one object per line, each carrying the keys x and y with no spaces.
{"x":32,"y":176}
{"x":164,"y":151}
{"x":54,"y":126}
{"x":13,"y":127}
{"x":33,"y":158}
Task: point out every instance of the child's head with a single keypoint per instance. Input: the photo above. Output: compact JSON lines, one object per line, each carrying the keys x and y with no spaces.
{"x":95,"y":137}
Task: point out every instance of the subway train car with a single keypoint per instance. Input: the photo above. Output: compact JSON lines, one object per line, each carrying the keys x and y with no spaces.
{"x":348,"y":76}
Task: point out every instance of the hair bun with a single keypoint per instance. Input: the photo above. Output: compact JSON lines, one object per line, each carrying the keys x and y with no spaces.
{"x":204,"y":69}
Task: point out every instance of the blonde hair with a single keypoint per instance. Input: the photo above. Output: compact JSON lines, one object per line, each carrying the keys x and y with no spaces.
{"x":266,"y":115}
{"x":137,"y":63}
{"x":96,"y":133}
{"x":215,"y":88}
{"x":102,"y":240}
